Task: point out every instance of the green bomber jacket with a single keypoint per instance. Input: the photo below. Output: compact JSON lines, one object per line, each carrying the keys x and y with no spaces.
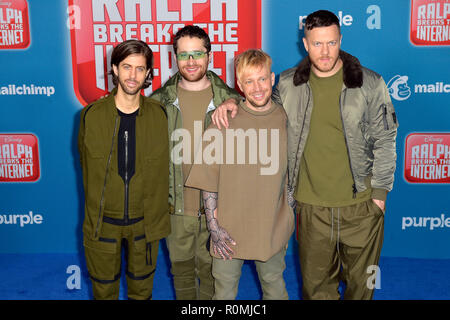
{"x":368,"y":117}
{"x":104,"y":188}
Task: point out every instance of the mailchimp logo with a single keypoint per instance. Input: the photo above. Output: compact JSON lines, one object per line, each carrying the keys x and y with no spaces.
{"x":233,"y":26}
{"x":14,"y":24}
{"x":398,"y":88}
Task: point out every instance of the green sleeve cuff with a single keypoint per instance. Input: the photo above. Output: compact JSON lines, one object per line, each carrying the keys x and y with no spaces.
{"x":379,"y":194}
{"x":238,"y":99}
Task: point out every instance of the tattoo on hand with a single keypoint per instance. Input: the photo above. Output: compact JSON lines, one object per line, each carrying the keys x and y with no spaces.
{"x":219,"y":236}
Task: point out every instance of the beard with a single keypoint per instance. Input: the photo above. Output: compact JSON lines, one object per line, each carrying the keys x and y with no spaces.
{"x":324,"y":69}
{"x":193,"y":77}
{"x":130,"y":91}
{"x":259,"y":104}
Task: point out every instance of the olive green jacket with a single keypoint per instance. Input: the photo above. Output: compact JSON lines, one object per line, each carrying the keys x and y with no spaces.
{"x":368,"y":117}
{"x":104,"y":188}
{"x":167,"y":95}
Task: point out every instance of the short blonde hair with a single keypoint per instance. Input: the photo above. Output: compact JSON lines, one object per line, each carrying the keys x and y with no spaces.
{"x":251,"y":58}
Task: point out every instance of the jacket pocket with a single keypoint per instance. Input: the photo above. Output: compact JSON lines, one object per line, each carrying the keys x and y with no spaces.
{"x":390,"y":121}
{"x":102,"y":245}
{"x":101,"y":259}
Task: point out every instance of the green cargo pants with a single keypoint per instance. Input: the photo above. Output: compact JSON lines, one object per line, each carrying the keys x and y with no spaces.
{"x":104,"y":259}
{"x":190,"y":259}
{"x":339,"y":244}
{"x":270,"y":273}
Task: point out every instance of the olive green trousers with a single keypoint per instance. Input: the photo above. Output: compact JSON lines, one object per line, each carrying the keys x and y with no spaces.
{"x":190,"y":258}
{"x":227,"y":274}
{"x":104,"y":260}
{"x":339,"y":244}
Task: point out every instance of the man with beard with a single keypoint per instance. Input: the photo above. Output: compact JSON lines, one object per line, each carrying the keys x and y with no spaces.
{"x":190,"y":97}
{"x":124,"y":158}
{"x":341,"y":152}
{"x":246,"y":207}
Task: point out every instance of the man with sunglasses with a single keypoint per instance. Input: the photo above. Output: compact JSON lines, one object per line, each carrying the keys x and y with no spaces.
{"x":190,"y":97}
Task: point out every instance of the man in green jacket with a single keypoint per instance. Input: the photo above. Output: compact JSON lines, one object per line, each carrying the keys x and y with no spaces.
{"x":341,"y":156}
{"x":124,"y":155}
{"x":189,"y":97}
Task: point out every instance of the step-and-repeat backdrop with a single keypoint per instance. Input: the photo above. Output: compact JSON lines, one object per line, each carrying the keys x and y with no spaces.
{"x":54,"y":59}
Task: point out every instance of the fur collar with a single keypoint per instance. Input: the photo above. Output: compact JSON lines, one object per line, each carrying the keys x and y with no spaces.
{"x":353,"y":77}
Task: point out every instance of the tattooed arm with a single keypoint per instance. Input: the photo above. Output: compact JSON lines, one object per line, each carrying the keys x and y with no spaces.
{"x":219,"y":235}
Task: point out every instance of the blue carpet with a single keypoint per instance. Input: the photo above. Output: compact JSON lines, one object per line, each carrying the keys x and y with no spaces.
{"x":51,"y":277}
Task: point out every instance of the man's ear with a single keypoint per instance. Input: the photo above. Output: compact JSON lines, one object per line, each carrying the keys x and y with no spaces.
{"x":239,"y":85}
{"x":115,"y":70}
{"x":305,"y":43}
{"x":272,"y":78}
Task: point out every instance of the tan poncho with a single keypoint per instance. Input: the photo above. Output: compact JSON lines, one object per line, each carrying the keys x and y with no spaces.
{"x":252,"y":204}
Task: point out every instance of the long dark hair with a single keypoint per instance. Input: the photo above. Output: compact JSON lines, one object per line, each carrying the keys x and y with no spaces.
{"x":129,"y":47}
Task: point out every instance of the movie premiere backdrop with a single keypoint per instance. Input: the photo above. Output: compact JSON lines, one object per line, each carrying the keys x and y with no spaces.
{"x":54,"y":59}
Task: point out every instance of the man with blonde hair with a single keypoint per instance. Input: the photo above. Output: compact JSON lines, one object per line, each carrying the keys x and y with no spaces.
{"x":246,"y":208}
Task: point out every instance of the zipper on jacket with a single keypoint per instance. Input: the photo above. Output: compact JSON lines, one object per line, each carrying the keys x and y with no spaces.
{"x":175,"y":187}
{"x":126,"y":178}
{"x":354,"y":190}
{"x":394,"y":117}
{"x":385,"y":122}
{"x":102,"y":198}
{"x":299,"y":141}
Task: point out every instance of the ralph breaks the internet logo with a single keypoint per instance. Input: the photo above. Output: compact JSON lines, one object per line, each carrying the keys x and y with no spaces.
{"x":19,"y":158}
{"x":430,"y":22}
{"x":14,"y":24}
{"x":427,"y":158}
{"x":232,"y":25}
